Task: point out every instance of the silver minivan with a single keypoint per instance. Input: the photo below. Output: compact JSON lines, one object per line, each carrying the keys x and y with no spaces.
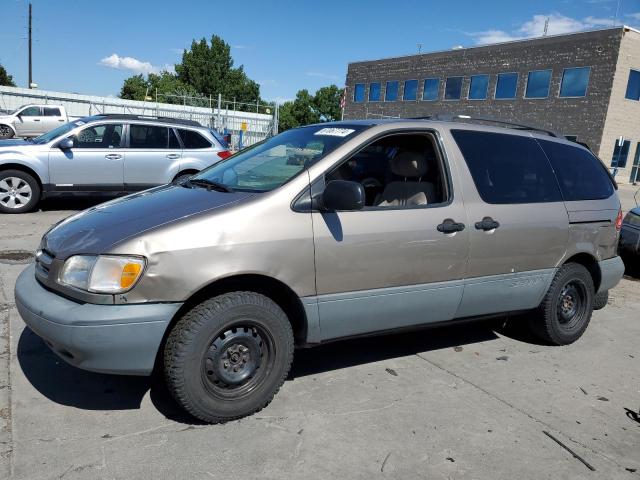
{"x":321,"y":233}
{"x":103,"y":155}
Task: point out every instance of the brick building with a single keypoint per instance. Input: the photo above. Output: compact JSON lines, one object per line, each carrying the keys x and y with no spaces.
{"x":583,"y":85}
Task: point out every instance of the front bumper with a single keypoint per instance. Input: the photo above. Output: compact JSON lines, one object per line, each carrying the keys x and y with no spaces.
{"x":611,"y":272}
{"x":121,"y":339}
{"x":629,"y":243}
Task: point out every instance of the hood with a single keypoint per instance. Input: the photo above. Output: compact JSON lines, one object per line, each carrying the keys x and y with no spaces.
{"x":14,"y":142}
{"x":96,"y":230}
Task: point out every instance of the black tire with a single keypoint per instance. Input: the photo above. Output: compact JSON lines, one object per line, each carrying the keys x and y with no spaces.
{"x":227,"y":357}
{"x":600,"y":301}
{"x":5,"y":132}
{"x":181,"y":177}
{"x":566,"y":309}
{"x":20,"y":203}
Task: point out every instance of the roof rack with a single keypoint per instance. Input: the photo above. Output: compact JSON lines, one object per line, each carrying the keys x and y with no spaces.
{"x":517,"y":126}
{"x":128,"y":116}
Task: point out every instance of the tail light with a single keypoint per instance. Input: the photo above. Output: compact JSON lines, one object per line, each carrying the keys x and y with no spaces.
{"x":619,"y":220}
{"x":224,"y":154}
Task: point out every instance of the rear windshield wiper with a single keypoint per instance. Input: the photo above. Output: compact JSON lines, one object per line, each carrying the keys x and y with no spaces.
{"x":210,"y":185}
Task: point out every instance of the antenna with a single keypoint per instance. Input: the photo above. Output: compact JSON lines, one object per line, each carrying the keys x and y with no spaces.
{"x":615,"y":18}
{"x":30,"y":77}
{"x":419,"y":48}
{"x":546,"y":26}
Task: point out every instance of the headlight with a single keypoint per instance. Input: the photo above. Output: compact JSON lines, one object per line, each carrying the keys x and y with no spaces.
{"x":102,"y":274}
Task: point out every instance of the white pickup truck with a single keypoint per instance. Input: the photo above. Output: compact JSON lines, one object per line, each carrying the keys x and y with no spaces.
{"x":32,"y":120}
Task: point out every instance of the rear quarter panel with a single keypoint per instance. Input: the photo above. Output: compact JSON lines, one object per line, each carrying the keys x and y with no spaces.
{"x":592,"y":227}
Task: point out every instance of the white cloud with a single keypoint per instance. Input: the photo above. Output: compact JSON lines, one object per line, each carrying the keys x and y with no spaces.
{"x":635,"y":16}
{"x":322,"y":75}
{"x":128,"y":63}
{"x":558,"y":24}
{"x":600,"y":21}
{"x":241,"y":47}
{"x":268,"y":83}
{"x":492,"y":36}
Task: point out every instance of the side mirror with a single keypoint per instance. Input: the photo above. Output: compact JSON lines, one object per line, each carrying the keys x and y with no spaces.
{"x":343,"y":195}
{"x":65,"y":144}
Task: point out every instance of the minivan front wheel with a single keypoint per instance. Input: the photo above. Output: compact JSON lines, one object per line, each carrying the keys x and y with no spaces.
{"x":228,"y":356}
{"x":566,"y":309}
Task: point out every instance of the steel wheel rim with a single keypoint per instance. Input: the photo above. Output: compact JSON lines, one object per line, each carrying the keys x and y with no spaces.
{"x":237,"y":360}
{"x":4,"y":131}
{"x":572,"y":304}
{"x":15,"y":192}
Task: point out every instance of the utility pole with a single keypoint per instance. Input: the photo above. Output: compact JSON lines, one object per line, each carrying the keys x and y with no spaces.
{"x":30,"y":76}
{"x":546,"y":27}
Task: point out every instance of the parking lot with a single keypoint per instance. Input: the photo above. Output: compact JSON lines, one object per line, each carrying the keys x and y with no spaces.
{"x":470,"y":401}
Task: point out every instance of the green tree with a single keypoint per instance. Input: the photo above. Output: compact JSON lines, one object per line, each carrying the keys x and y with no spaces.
{"x":326,"y":102}
{"x":134,"y":88}
{"x":300,"y":111}
{"x":208,"y":68}
{"x":168,"y":87}
{"x":6,"y":80}
{"x":324,"y":106}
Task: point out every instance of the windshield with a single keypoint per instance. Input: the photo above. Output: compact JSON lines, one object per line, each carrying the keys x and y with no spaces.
{"x":272,"y":163}
{"x":57,"y":132}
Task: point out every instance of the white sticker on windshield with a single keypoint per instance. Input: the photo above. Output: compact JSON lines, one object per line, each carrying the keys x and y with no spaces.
{"x":335,"y":132}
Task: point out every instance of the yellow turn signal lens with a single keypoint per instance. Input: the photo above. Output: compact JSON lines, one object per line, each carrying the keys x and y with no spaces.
{"x":130,"y":273}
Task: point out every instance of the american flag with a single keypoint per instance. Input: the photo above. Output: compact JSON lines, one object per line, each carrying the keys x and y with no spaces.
{"x":343,"y":100}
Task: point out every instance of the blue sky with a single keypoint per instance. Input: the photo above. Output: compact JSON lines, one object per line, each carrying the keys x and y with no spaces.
{"x":92,"y":46}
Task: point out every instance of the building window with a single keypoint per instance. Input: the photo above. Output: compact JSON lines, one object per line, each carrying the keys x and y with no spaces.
{"x":478,"y":87}
{"x":358,"y":92}
{"x":431,"y":89}
{"x":506,"y":86}
{"x":633,"y":85}
{"x":620,"y":154}
{"x":374,"y":92}
{"x":410,"y":90}
{"x":635,"y":175}
{"x":391,"y":92}
{"x":453,"y":88}
{"x":574,"y":82}
{"x":538,"y":84}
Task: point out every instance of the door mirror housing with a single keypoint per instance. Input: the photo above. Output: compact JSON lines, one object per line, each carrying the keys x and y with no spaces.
{"x":343,"y":195}
{"x":65,"y":144}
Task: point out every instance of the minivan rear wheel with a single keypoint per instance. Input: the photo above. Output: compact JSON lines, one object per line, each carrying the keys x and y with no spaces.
{"x":228,"y":356}
{"x":566,"y":309}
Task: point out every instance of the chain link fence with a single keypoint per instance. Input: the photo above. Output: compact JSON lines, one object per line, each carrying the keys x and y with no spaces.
{"x":246,"y":123}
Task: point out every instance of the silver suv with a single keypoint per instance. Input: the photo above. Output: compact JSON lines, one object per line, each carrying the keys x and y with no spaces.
{"x":103,"y":155}
{"x":320,"y":233}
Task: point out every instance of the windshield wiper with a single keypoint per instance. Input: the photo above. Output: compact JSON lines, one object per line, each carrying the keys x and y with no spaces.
{"x":210,"y":185}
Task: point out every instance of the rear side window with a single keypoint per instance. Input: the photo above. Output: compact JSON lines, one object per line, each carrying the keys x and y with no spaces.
{"x":507,"y":168}
{"x":148,"y":136}
{"x":191,"y":139}
{"x":580,"y":174}
{"x":52,"y":112}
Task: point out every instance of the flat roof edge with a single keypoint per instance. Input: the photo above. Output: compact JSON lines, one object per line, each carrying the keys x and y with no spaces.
{"x":485,"y":45}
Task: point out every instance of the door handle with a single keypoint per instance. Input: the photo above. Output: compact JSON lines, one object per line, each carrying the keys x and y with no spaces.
{"x":448,"y":225}
{"x":487,"y":224}
{"x":113,"y":156}
{"x":173,"y":156}
{"x":36,"y":119}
